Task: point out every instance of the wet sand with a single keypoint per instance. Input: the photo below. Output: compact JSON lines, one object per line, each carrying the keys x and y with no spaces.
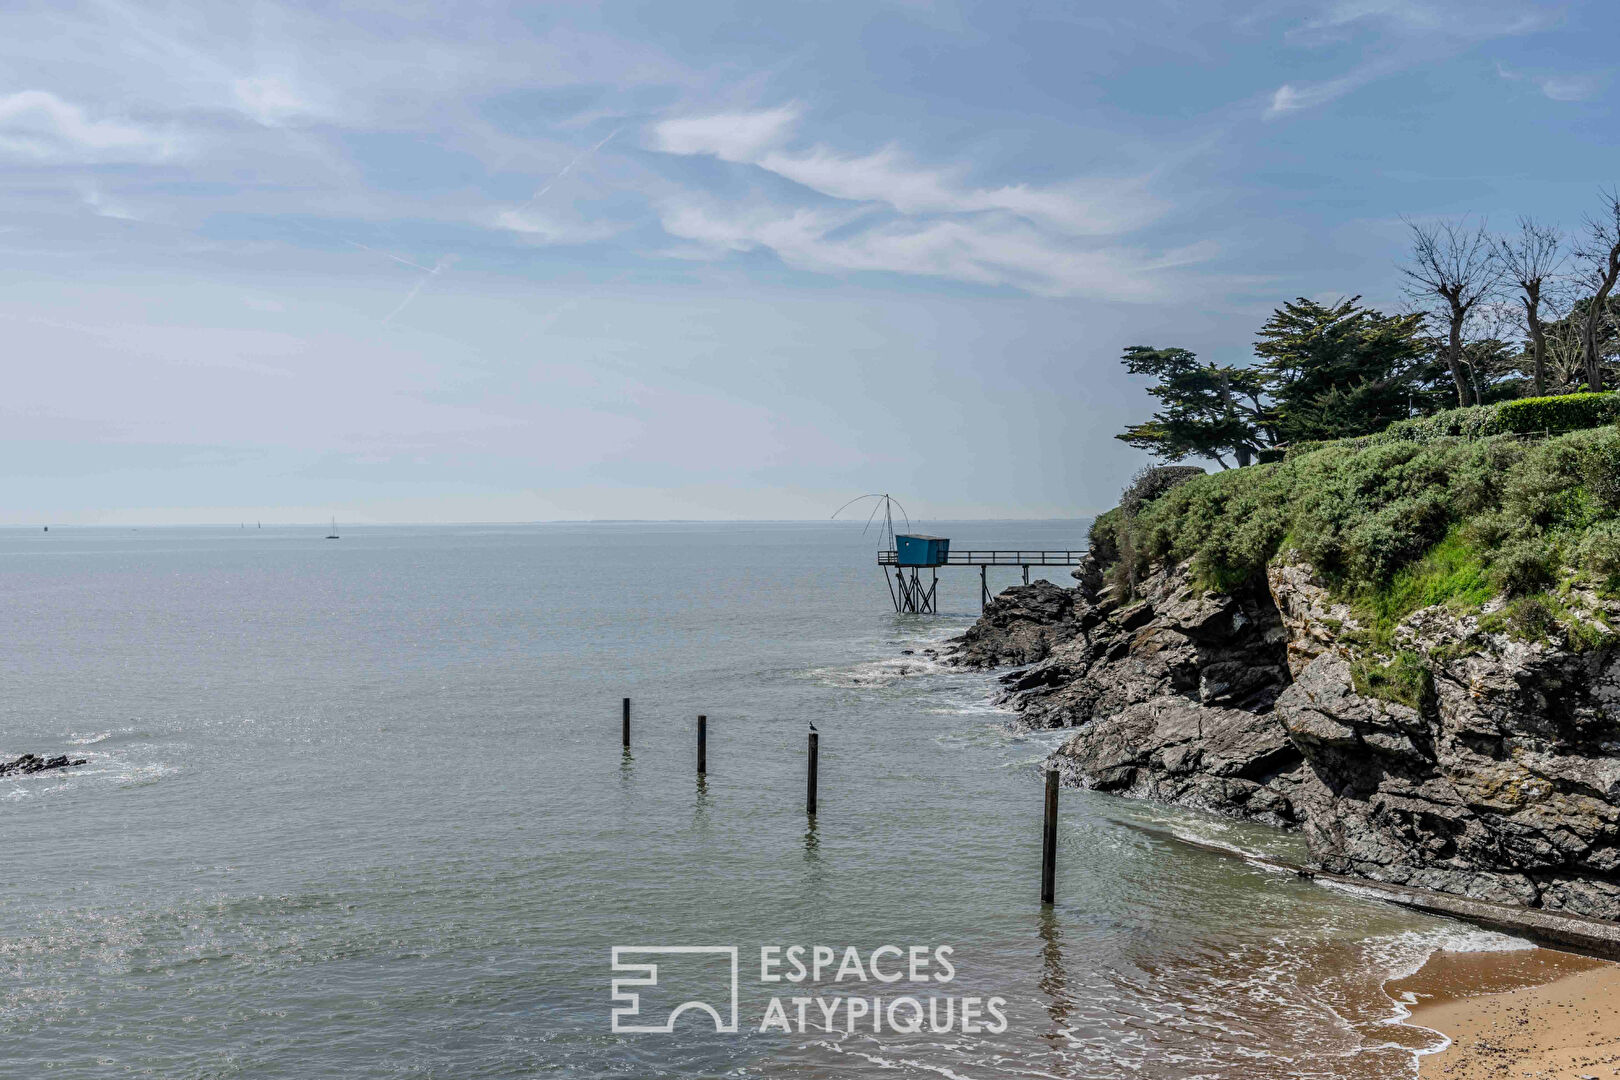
{"x":1535,"y":1013}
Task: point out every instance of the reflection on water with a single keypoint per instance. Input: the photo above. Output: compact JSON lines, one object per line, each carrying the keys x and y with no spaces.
{"x":1054,"y":981}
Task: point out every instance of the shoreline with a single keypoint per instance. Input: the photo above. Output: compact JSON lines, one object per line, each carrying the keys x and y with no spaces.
{"x":1535,"y":1012}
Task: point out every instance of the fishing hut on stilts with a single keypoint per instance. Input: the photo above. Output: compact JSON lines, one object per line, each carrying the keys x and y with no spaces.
{"x":910,"y":553}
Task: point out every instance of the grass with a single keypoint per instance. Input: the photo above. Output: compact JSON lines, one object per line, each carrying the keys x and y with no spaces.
{"x":1405,"y":679}
{"x":1452,"y":572}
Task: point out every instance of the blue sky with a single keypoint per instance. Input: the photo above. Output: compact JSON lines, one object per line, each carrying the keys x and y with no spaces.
{"x":707,"y":260}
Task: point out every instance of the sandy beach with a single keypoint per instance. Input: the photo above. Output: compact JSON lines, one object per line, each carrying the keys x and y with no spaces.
{"x":1536,"y":1013}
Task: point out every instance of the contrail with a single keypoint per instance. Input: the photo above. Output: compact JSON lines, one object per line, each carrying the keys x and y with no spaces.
{"x":387,"y":255}
{"x":566,"y":169}
{"x":423,"y":280}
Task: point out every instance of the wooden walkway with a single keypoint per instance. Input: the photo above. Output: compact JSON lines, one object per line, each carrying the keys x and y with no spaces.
{"x":916,"y":597}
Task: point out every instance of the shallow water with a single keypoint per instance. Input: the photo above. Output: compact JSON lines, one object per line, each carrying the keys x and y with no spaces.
{"x":359,"y":808}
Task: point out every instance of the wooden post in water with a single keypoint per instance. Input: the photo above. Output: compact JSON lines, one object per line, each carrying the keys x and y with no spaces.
{"x":810,"y":777}
{"x":703,"y":745}
{"x":627,"y":723}
{"x":1049,"y":840}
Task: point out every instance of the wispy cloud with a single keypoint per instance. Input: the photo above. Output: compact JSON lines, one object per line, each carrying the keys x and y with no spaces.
{"x":736,"y":136}
{"x":995,"y":251}
{"x":546,"y":228}
{"x":1398,"y":35}
{"x":1289,"y":98}
{"x":889,"y":213}
{"x":1090,"y":207}
{"x":37,"y":124}
{"x":1442,"y":18}
{"x":274,"y":100}
{"x":1561,"y":86}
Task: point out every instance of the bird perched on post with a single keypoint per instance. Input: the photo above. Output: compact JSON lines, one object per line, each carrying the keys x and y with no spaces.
{"x":812,"y":725}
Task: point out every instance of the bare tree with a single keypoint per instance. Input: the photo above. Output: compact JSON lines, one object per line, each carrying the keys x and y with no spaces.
{"x":1565,"y":330}
{"x":1531,"y":260}
{"x":1598,"y":253}
{"x":1453,"y":268}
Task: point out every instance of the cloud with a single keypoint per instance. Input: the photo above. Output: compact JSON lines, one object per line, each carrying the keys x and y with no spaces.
{"x":272,"y":100}
{"x":727,"y":136}
{"x":1091,"y":207}
{"x":1404,"y":33}
{"x":994,"y":251}
{"x":1458,"y":18}
{"x":547,"y":228}
{"x":1565,"y":86}
{"x":1572,"y":87}
{"x":883,"y":211}
{"x":100,"y":204}
{"x":37,"y":124}
{"x":1289,"y":98}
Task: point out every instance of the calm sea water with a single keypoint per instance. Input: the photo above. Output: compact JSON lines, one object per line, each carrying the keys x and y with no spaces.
{"x":358,"y":808}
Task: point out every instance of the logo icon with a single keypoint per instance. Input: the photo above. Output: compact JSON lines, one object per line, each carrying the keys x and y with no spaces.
{"x":647,"y":975}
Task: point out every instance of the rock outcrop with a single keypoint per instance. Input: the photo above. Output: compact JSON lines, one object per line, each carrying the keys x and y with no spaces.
{"x":1499,"y":780}
{"x":1020,"y":626}
{"x":33,"y":763}
{"x":1173,"y":691}
{"x":1502,"y":784}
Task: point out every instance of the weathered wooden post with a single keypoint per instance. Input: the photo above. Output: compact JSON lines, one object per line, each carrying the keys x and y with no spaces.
{"x":810,"y":778}
{"x":703,"y":745}
{"x":627,"y":723}
{"x":1049,"y":840}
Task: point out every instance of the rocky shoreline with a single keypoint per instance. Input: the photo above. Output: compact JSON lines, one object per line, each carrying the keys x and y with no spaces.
{"x":1499,"y":783}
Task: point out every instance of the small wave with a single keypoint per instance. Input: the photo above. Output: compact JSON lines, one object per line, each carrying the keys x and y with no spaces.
{"x":111,"y":735}
{"x":144,"y":775}
{"x":1405,"y":953}
{"x":878,"y":672}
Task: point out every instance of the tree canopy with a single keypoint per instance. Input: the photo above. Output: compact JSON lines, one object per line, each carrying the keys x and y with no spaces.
{"x":1339,"y":369}
{"x":1533,"y":313}
{"x":1325,"y":371}
{"x":1205,"y":410}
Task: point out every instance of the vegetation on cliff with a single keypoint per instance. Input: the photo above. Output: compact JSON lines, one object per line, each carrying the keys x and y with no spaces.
{"x":1456,"y":509}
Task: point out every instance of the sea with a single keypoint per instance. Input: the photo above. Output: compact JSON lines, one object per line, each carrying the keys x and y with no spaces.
{"x":360,"y":808}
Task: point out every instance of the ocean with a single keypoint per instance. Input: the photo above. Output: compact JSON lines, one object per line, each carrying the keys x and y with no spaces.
{"x":359,"y":808}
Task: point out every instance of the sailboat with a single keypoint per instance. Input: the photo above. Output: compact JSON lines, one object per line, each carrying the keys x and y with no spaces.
{"x":333,"y":534}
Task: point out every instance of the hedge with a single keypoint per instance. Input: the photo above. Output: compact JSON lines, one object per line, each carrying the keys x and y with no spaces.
{"x":1522,"y":416}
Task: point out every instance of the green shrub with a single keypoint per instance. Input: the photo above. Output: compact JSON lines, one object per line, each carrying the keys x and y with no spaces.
{"x":1597,"y":555}
{"x":1488,"y":530}
{"x":1527,"y":618}
{"x":1564,"y":412}
{"x":1104,"y":537}
{"x":1396,"y":524}
{"x":1542,"y":617}
{"x":1524,"y":416}
{"x":1600,"y":470}
{"x":1152,"y":482}
{"x":1405,"y":680}
{"x":1522,"y":566}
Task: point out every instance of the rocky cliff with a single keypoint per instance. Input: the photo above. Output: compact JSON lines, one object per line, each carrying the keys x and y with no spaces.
{"x":1456,"y":755}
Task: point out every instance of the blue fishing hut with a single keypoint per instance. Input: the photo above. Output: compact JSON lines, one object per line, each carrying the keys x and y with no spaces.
{"x":918,"y":550}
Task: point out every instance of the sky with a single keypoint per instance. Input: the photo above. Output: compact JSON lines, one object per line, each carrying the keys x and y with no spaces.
{"x":706,"y":260}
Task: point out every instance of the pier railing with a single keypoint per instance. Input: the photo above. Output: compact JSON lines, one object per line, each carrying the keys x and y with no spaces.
{"x":998,"y":557}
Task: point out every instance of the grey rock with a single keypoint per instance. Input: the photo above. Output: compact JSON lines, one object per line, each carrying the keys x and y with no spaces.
{"x":1502,"y":786}
{"x":1021,"y":626}
{"x":29,"y":764}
